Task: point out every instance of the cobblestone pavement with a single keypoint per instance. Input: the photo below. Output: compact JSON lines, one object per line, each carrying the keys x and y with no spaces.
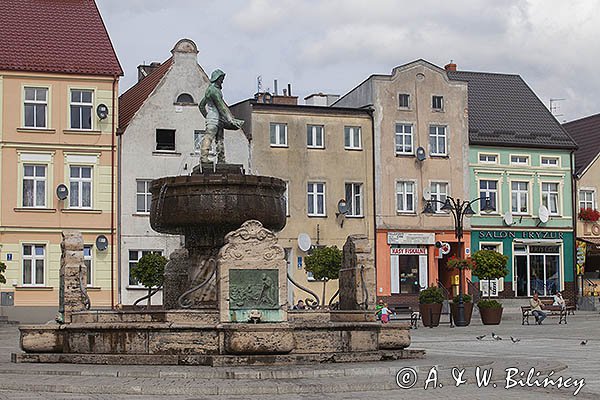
{"x":546,"y":348}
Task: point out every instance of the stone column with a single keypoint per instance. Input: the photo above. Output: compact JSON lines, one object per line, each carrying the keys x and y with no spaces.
{"x":357,"y":276}
{"x":72,"y":292}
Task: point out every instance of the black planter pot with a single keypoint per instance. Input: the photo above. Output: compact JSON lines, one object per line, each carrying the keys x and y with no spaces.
{"x":468,"y":312}
{"x":430,"y":314}
{"x":491,"y":316}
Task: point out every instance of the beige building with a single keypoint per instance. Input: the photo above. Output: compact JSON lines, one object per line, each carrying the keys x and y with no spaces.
{"x":421,"y":152}
{"x":57,"y":123}
{"x":325,"y":156}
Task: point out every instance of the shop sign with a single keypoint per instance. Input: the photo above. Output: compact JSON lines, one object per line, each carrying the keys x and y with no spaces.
{"x":408,"y":251}
{"x":520,"y":235}
{"x":410,"y":238}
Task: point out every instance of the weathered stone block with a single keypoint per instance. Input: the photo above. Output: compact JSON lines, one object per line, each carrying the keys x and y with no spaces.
{"x":394,"y":338}
{"x":182,"y":342}
{"x":245,"y":340}
{"x":41,"y":339}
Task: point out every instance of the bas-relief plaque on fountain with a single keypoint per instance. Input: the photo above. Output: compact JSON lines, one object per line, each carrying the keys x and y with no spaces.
{"x":253,"y":289}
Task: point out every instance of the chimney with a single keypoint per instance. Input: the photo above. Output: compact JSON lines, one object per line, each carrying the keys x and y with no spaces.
{"x":450,"y":66}
{"x":145,"y":70}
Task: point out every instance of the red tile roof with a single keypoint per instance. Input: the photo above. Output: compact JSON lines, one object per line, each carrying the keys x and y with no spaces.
{"x":64,"y":36}
{"x":133,"y":99}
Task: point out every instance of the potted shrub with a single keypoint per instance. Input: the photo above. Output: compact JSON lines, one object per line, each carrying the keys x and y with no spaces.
{"x":430,"y":305}
{"x":489,"y":264}
{"x":589,"y":214}
{"x":468,"y":302}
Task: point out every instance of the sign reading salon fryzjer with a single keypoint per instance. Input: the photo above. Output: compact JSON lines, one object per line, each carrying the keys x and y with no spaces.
{"x":520,"y":235}
{"x":410,"y":238}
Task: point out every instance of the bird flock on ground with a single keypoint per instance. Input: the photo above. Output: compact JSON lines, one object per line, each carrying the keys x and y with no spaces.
{"x":514,"y":339}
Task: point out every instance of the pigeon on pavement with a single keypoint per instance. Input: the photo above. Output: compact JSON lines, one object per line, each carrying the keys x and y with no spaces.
{"x":515,"y":340}
{"x":496,"y":337}
{"x":583,"y":342}
{"x":480,"y":337}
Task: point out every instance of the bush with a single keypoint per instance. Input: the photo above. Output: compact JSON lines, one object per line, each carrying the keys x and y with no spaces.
{"x":324,"y":263}
{"x":2,"y":271}
{"x":431,"y":295}
{"x":149,"y":271}
{"x":489,"y":264}
{"x":466,"y":298}
{"x":489,"y":304}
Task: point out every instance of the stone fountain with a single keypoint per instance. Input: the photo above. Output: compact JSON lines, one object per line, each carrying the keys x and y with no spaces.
{"x":225,"y":292}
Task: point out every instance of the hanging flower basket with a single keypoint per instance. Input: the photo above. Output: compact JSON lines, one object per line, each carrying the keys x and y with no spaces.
{"x":460,"y":263}
{"x":589,"y":214}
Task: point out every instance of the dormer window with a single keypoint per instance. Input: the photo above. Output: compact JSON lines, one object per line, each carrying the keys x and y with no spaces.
{"x":185,"y":98}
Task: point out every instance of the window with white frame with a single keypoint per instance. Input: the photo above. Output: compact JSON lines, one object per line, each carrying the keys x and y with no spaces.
{"x":143,"y":196}
{"x":437,"y":140}
{"x":549,"y":161}
{"x":286,"y":197}
{"x":404,"y":139}
{"x":278,"y":134}
{"x":34,"y":185}
{"x":550,"y":197}
{"x":81,"y":109}
{"x":404,"y":100}
{"x":587,"y":199}
{"x":352,"y":137}
{"x":405,"y":197}
{"x":519,"y":160}
{"x":34,"y":262}
{"x":87,"y":261}
{"x":134,"y":257}
{"x":36,"y":107}
{"x":314,"y":136}
{"x":439,"y":192}
{"x":80,"y":186}
{"x":354,"y":199}
{"x":519,"y":197}
{"x":488,"y":158}
{"x":316,"y":199}
{"x":488,"y":190}
{"x":437,"y":103}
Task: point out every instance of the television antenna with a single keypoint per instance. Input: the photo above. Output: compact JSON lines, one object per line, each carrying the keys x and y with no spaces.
{"x":554,"y":107}
{"x":258,"y":83}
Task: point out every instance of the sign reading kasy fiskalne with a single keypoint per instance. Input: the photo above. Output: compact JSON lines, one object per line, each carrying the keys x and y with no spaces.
{"x":408,"y":251}
{"x":520,"y":235}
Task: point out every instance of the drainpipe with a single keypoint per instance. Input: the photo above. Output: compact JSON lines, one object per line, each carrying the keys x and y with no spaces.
{"x":112,"y":196}
{"x":373,"y":191}
{"x":574,"y":218}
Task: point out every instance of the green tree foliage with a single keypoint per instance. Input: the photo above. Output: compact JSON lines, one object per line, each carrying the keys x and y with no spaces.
{"x":149,"y":271}
{"x":325,"y":264}
{"x":2,"y":271}
{"x":489,"y":264}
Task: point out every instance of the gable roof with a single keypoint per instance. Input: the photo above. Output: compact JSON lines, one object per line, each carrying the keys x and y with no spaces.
{"x":66,"y":36}
{"x":504,"y":111}
{"x":133,"y":99}
{"x":586,"y":133}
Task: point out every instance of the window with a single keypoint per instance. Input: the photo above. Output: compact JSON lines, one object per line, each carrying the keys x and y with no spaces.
{"x":586,"y":199}
{"x":403,"y":100}
{"x":134,"y":257}
{"x":354,"y":199}
{"x":437,"y":103}
{"x":489,"y":190}
{"x":87,"y":260}
{"x":143,"y":196}
{"x":34,"y":185}
{"x":519,"y":197}
{"x":36,"y":107}
{"x":165,"y":139}
{"x":286,"y":197}
{"x":314,"y":136}
{"x":519,"y":160}
{"x":550,"y":197}
{"x":316,"y":198}
{"x":439,"y":191}
{"x":198,"y":135}
{"x":407,"y":274}
{"x":81,"y":109}
{"x":404,"y":139}
{"x":185,"y":98}
{"x":488,"y":158}
{"x":80,"y":187}
{"x":34,"y":259}
{"x":405,"y":197}
{"x":537,"y":269}
{"x":437,"y":140}
{"x":549,"y":161}
{"x":278,"y":135}
{"x":352,"y":139}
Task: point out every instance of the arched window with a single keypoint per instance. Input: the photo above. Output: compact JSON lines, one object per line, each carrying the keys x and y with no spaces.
{"x":185,"y":98}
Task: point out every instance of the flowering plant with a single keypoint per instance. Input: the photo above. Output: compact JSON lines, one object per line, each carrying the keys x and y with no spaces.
{"x":461,"y":263}
{"x":589,"y":214}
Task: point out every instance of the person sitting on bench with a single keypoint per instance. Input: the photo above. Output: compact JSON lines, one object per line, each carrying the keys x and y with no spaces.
{"x":536,"y":308}
{"x":559,"y":301}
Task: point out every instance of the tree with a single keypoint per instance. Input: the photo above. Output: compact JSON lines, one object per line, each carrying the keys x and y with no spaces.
{"x":489,"y":264}
{"x":2,"y":270}
{"x":324,"y":263}
{"x":149,"y":271}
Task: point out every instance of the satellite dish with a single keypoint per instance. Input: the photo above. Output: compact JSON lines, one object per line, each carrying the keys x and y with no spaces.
{"x":343,"y":206}
{"x":421,"y":154}
{"x":304,"y":242}
{"x":508,"y":218}
{"x":101,"y":243}
{"x":445,"y":249}
{"x":427,"y":194}
{"x":102,"y":111}
{"x":62,"y":191}
{"x":543,"y":214}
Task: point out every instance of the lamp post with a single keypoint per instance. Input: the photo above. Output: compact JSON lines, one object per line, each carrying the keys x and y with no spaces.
{"x":459,"y":209}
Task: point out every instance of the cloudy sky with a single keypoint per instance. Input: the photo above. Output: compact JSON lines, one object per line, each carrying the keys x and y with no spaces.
{"x":332,"y":45}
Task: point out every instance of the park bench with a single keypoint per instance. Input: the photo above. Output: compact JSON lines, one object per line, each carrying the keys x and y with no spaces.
{"x":402,"y":312}
{"x":549,"y":309}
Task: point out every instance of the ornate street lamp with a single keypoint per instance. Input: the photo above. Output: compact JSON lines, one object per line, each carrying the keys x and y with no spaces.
{"x":459,"y":209}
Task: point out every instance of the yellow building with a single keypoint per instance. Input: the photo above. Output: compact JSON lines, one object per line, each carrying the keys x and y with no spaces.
{"x":58,"y":100}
